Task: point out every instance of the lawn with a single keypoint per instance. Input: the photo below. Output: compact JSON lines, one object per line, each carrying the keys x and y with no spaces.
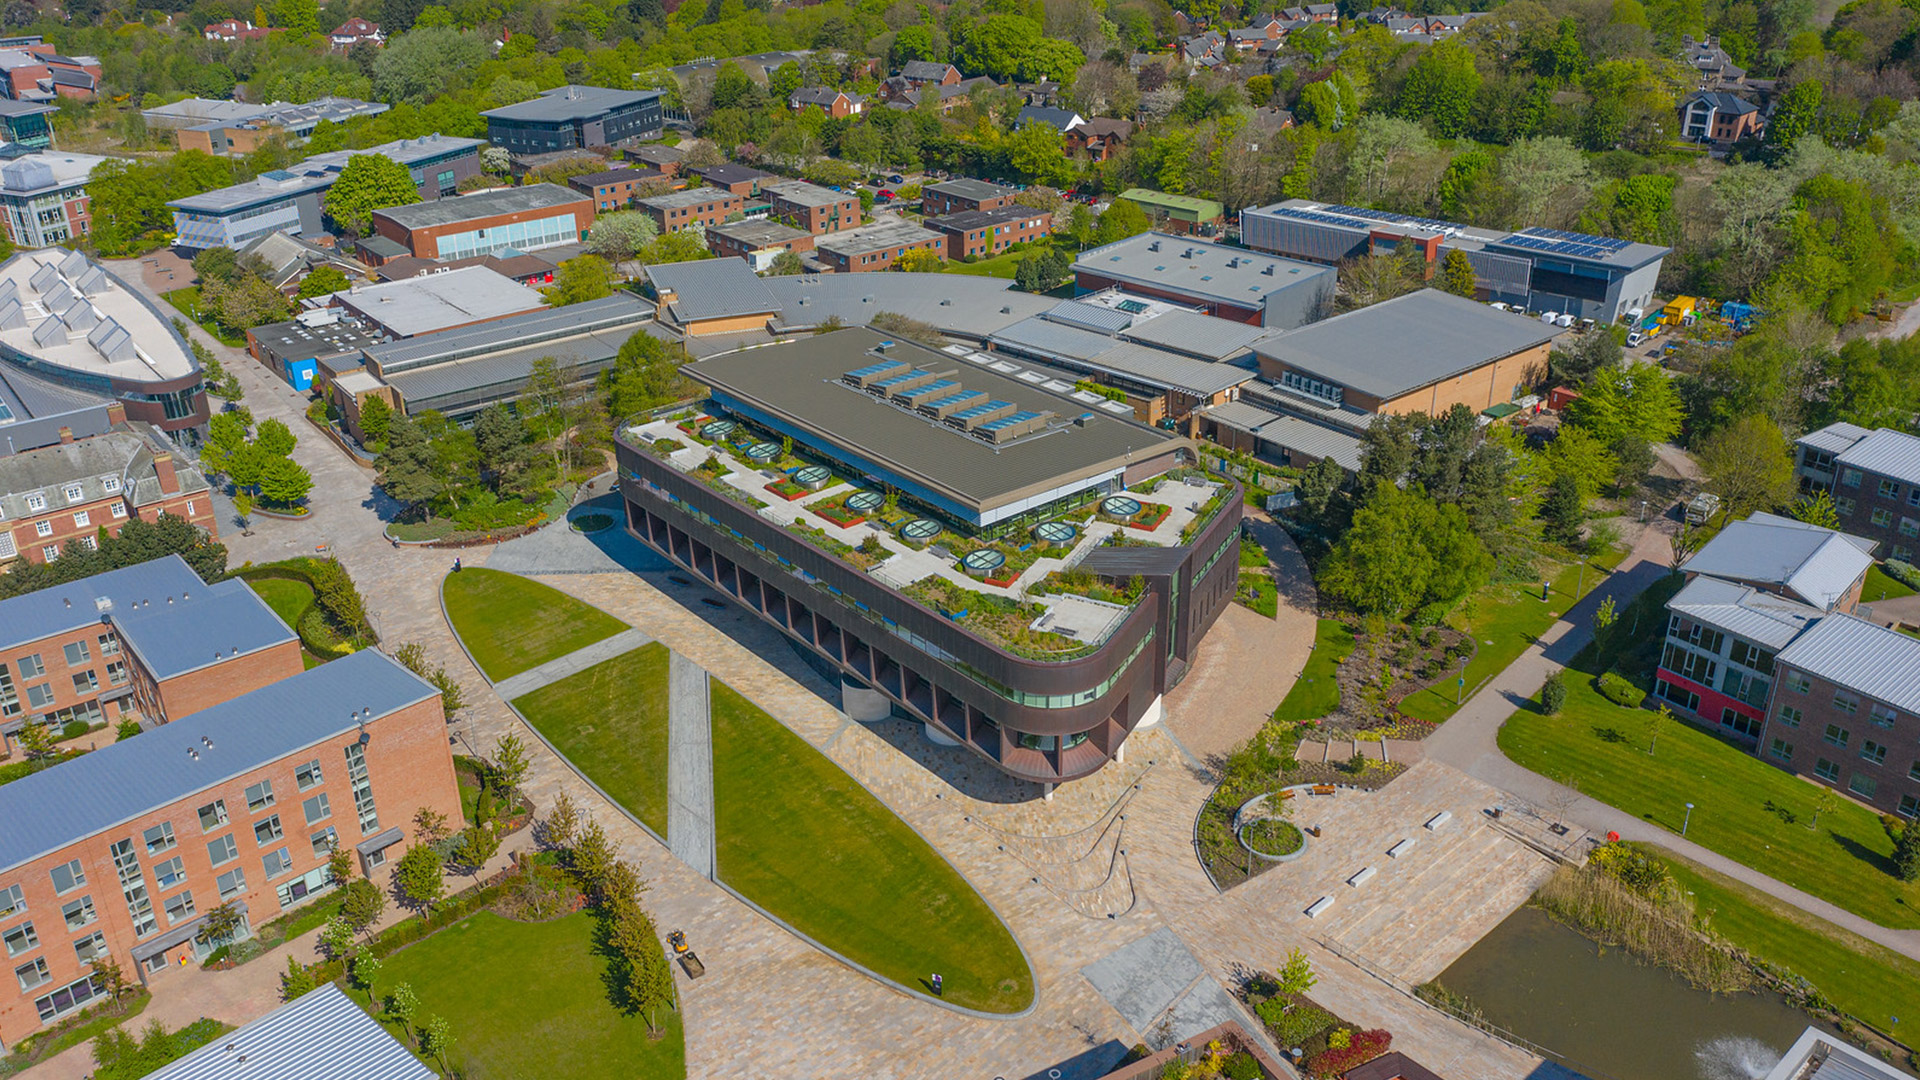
{"x":1860,"y":977}
{"x":1257,"y":593}
{"x":611,"y":721}
{"x":1881,"y":586}
{"x":530,"y":999}
{"x":801,"y":838}
{"x":289,"y":599}
{"x":187,"y":301}
{"x":1316,"y":693}
{"x":999,"y":266}
{"x":1744,"y":808}
{"x":511,"y":624}
{"x":1506,"y":619}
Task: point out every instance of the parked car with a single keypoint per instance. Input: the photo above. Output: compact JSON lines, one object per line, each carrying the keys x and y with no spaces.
{"x":896,"y":178}
{"x":886,"y":195}
{"x":1634,"y":339}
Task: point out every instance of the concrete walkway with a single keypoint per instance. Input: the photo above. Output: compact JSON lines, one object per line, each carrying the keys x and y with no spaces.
{"x":1469,"y":742}
{"x":571,"y":664}
{"x":689,"y":765}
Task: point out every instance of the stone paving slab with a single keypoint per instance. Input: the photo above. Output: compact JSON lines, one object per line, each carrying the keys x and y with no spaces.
{"x":690,"y":765}
{"x":1144,"y":978}
{"x":573,"y":663}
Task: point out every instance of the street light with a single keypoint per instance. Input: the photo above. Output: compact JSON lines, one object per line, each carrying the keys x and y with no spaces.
{"x":1687,"y":820}
{"x":1643,"y":511}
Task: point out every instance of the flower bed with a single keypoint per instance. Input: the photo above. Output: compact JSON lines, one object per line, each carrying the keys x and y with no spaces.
{"x":788,"y":490}
{"x":838,"y":514}
{"x":1329,"y":1045}
{"x":1148,"y":519}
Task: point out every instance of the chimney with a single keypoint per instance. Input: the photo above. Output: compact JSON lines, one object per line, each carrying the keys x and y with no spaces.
{"x":116,"y":413}
{"x":66,"y":435}
{"x":163,"y":469}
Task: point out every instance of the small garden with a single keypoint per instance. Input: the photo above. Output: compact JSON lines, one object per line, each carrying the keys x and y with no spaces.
{"x":120,"y":1002}
{"x":1004,"y":621}
{"x":1257,"y":593}
{"x":512,"y":471}
{"x":318,"y":599}
{"x":1320,"y":1043}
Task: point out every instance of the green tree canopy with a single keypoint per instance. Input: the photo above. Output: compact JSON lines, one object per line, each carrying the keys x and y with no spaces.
{"x":1635,"y":400}
{"x":369,"y":182}
{"x":583,"y":278}
{"x":1404,"y":551}
{"x":1441,"y":88}
{"x":325,"y":280}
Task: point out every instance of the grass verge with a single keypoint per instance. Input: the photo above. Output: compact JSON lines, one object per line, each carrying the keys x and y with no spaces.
{"x":1257,"y":593}
{"x":1316,"y":693}
{"x":530,"y":999}
{"x":1505,"y":619}
{"x":801,"y":838}
{"x":1882,"y":586}
{"x":611,"y":721}
{"x":511,"y":624}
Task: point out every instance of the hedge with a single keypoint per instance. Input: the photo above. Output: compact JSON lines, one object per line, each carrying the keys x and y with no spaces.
{"x":316,"y":631}
{"x":1902,"y":572}
{"x":1619,"y":689}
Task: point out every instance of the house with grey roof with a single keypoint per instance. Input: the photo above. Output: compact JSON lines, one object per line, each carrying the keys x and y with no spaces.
{"x":1719,"y":117}
{"x":1874,"y":479}
{"x":73,"y":488}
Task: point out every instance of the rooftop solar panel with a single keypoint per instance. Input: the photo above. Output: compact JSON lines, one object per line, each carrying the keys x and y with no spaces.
{"x":939,"y":387}
{"x":870,"y":369}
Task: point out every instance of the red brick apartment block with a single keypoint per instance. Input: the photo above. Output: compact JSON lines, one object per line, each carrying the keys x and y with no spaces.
{"x":76,"y":487}
{"x":123,"y":853}
{"x":812,"y":207}
{"x":704,"y":206}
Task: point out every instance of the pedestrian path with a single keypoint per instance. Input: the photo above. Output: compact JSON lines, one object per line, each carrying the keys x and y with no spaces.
{"x":689,"y":765}
{"x":571,"y":664}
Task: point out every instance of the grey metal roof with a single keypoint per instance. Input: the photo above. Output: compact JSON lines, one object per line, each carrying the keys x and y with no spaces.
{"x":876,"y":237}
{"x":1817,"y":565}
{"x":1192,"y":267}
{"x":380,"y":841}
{"x":320,"y":1034}
{"x":1885,"y":452}
{"x":757,"y":234}
{"x":1289,"y":432}
{"x":1196,"y":334}
{"x":798,"y":381}
{"x":1743,"y":611}
{"x":509,"y":200}
{"x":1103,"y":320}
{"x":124,"y":780}
{"x":1835,"y":437}
{"x":961,"y":304}
{"x":1864,"y":657}
{"x":966,"y":187}
{"x":211,"y":625}
{"x":570,"y":103}
{"x":622,"y":309}
{"x":712,"y":289}
{"x":67,"y":607}
{"x":443,"y":301}
{"x":727,"y":173}
{"x":1049,"y":340}
{"x":802,"y":193}
{"x":1158,"y":367}
{"x":504,"y":373}
{"x":1400,"y":345}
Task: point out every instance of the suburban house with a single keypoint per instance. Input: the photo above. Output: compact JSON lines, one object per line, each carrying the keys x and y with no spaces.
{"x":355,"y":31}
{"x":1718,"y":117}
{"x":1099,"y":138}
{"x":838,"y":104}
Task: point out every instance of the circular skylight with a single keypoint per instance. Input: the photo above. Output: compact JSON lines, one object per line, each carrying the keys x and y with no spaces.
{"x":1120,"y":506}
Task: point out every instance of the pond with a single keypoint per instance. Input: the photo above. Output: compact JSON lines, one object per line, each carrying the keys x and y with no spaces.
{"x":1612,"y":1016}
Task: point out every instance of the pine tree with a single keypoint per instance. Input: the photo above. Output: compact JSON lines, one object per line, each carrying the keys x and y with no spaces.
{"x":1456,"y":274}
{"x":1906,"y":854}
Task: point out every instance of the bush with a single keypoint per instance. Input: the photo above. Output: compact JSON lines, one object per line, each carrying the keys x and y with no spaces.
{"x":75,"y":729}
{"x":1362,"y":1048}
{"x":1430,"y":614}
{"x":1242,"y":1066}
{"x":1903,"y":572}
{"x":1294,"y":1027}
{"x":1553,"y":694}
{"x":1619,"y":689}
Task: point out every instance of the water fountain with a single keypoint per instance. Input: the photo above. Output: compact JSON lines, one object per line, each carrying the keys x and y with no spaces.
{"x":1735,"y":1057}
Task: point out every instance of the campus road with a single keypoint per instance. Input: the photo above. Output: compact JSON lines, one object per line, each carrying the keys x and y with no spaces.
{"x":1468,"y":742}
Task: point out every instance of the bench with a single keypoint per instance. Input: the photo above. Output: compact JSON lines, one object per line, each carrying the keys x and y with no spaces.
{"x":1319,"y":906}
{"x":1287,"y":794}
{"x":1324,"y":789}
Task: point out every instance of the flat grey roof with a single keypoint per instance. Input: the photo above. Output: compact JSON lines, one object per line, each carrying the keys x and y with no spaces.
{"x":124,"y":780}
{"x":980,"y":219}
{"x":871,"y":238}
{"x":61,"y":608}
{"x":500,"y":370}
{"x":757,"y":233}
{"x":217,"y":623}
{"x":570,"y":103}
{"x":620,"y":309}
{"x":1195,"y":267}
{"x":1402,"y":344}
{"x":432,"y":302}
{"x":712,"y":289}
{"x":687,"y":197}
{"x":968,"y":188}
{"x":1196,"y":334}
{"x":802,"y":193}
{"x":323,"y":1033}
{"x":798,"y":382}
{"x":962,"y":304}
{"x":1291,"y":432}
{"x":510,"y":200}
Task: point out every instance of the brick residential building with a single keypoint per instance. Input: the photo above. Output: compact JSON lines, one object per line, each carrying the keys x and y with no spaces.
{"x":958,"y":196}
{"x":1846,"y":711}
{"x":523,"y":218}
{"x":74,"y":489}
{"x":146,"y":641}
{"x":678,"y":210}
{"x":812,"y":207}
{"x":1874,"y":477}
{"x":989,"y":232}
{"x":240,"y":804}
{"x":615,"y":189}
{"x":838,"y":104}
{"x":758,"y":242}
{"x":355,"y":31}
{"x":875,"y":247}
{"x":738,"y":179}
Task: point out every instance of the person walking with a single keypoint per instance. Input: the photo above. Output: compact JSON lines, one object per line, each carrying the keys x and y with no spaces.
{"x":937,"y":984}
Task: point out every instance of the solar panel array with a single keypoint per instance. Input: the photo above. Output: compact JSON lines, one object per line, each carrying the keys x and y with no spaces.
{"x":1430,"y":224}
{"x":1561,"y":242}
{"x":1319,"y":218}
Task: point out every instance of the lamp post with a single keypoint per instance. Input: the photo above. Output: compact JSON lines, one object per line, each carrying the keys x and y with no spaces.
{"x":1688,"y":820}
{"x":1643,"y":511}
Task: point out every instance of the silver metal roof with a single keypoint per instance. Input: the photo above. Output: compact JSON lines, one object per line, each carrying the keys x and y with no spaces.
{"x":320,"y":1034}
{"x":1103,"y":320}
{"x":1196,"y":334}
{"x":1050,"y":340}
{"x":489,"y":203}
{"x":1289,"y":432}
{"x":123,"y":780}
{"x":712,"y":289}
{"x":877,"y":237}
{"x":1743,"y":611}
{"x":1835,"y":437}
{"x":214,"y":624}
{"x":1402,"y":344}
{"x":1194,"y":267}
{"x":1817,"y":565}
{"x":620,"y":309}
{"x":1885,"y":452}
{"x":1158,"y":367}
{"x":959,"y":304}
{"x":1864,"y":657}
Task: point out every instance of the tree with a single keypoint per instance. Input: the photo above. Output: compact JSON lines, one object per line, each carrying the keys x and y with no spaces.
{"x":35,"y":739}
{"x":1816,"y":509}
{"x":1547,"y":178}
{"x":1581,"y":356}
{"x":325,"y":280}
{"x":1035,"y":151}
{"x":1564,"y":510}
{"x":592,"y":857}
{"x":586,"y":277}
{"x":510,"y":763}
{"x":645,"y":375}
{"x":430,"y":825}
{"x":297,"y":981}
{"x":283,"y":482}
{"x":1906,"y":853}
{"x":403,"y":1005}
{"x":419,"y":877}
{"x":1457,"y":276}
{"x":437,"y":1039}
{"x":918,"y":261}
{"x":561,"y":823}
{"x":621,"y":235}
{"x":1296,"y":976}
{"x":1633,"y":459}
{"x":1404,"y":550}
{"x":1636,"y":400}
{"x":365,"y":971}
{"x":1749,"y":464}
{"x":500,"y":439}
{"x":1441,"y":88}
{"x":416,"y":67}
{"x":477,"y":845}
{"x":375,"y":418}
{"x":1121,"y":219}
{"x":1794,"y":117}
{"x":1657,"y":722}
{"x":1826,"y":803}
{"x":219,"y":925}
{"x":1553,"y":694}
{"x":369,"y":182}
{"x":362,"y":903}
{"x":786,"y":264}
{"x":337,"y":939}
